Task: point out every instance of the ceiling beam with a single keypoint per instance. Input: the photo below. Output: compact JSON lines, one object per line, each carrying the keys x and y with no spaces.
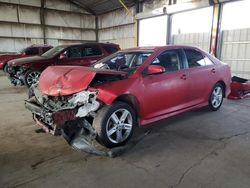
{"x":81,"y":5}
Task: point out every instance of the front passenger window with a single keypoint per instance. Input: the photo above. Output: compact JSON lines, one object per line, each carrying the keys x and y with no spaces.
{"x":74,"y":52}
{"x":169,"y":60}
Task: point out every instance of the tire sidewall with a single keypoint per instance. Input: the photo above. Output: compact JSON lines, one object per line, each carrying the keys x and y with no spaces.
{"x":211,"y":107}
{"x":5,"y":68}
{"x":101,"y":131}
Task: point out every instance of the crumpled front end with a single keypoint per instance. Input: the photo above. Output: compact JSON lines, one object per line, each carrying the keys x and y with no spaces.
{"x":70,"y":116}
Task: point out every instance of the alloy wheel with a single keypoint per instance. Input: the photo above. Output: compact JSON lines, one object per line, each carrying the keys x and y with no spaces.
{"x":119,"y":125}
{"x":217,"y":96}
{"x":32,"y":77}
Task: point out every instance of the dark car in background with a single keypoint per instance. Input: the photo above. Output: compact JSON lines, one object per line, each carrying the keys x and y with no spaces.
{"x":26,"y":71}
{"x":29,"y":51}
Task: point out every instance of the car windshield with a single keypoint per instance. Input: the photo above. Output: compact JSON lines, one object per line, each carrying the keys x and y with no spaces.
{"x":123,"y":61}
{"x":53,"y":51}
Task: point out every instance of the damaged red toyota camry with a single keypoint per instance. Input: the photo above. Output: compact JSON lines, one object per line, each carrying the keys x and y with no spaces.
{"x":129,"y":88}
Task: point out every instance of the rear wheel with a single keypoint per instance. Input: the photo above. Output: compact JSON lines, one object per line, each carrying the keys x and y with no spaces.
{"x":216,"y":97}
{"x":31,"y":77}
{"x":114,"y":124}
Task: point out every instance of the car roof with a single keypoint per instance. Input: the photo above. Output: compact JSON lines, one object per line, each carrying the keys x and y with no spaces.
{"x":39,"y":45}
{"x":88,"y":43}
{"x":154,"y":48}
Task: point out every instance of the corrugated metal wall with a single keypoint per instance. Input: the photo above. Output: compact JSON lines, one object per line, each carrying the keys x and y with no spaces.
{"x":200,"y":40}
{"x":236,"y":51}
{"x":117,"y":27}
{"x":20,"y":24}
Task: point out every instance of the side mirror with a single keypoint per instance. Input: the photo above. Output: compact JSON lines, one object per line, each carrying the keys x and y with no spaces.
{"x":155,"y":69}
{"x":62,"y":56}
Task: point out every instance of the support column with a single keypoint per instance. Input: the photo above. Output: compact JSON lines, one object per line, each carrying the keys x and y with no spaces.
{"x":169,"y":30}
{"x":215,"y":28}
{"x":96,"y":29}
{"x":42,"y":18}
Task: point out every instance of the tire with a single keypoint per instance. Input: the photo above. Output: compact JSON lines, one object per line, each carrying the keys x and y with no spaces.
{"x":31,"y":77}
{"x":5,"y":68}
{"x":111,"y":130}
{"x":216,"y":97}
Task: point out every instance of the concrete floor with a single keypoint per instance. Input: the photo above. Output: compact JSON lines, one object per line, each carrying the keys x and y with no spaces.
{"x":195,"y":149}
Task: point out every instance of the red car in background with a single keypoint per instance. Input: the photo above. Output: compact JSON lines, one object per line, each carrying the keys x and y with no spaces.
{"x":131,"y":87}
{"x":27,"y":70}
{"x":29,"y":51}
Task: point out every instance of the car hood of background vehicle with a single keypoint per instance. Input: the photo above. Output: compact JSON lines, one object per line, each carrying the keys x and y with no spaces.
{"x":9,"y":56}
{"x":26,"y":60}
{"x":67,"y":80}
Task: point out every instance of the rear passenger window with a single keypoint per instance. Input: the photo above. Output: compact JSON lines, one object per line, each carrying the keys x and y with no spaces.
{"x":169,"y":60}
{"x":32,"y":51}
{"x":194,"y":58}
{"x":91,"y":51}
{"x":110,"y":49}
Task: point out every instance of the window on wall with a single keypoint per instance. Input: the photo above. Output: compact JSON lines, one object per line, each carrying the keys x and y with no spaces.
{"x":235,"y":15}
{"x":193,"y":28}
{"x":153,"y":31}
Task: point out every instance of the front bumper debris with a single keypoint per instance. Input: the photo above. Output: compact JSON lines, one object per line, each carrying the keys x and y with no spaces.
{"x":240,"y":88}
{"x":41,"y":117}
{"x":78,"y":132}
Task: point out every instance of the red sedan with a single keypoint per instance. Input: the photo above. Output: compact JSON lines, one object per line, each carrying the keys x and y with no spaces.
{"x":131,"y":87}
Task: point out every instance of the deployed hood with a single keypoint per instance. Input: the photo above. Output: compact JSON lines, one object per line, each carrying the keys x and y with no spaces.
{"x":66,"y":80}
{"x":25,"y":60}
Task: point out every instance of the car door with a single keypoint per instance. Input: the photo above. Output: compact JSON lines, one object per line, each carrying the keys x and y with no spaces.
{"x":166,"y":92}
{"x":201,"y":71}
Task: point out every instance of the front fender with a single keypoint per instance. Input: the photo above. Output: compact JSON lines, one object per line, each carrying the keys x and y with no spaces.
{"x":105,"y":96}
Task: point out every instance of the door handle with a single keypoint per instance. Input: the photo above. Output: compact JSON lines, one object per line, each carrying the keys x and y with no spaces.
{"x":184,"y":77}
{"x":213,"y":70}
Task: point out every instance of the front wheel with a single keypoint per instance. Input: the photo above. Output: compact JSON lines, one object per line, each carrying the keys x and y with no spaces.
{"x":5,"y":68}
{"x":114,"y":124}
{"x":216,"y":97}
{"x":31,"y":77}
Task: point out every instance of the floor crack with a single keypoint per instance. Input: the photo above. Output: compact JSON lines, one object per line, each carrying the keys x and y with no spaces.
{"x":35,"y":165}
{"x":199,"y":162}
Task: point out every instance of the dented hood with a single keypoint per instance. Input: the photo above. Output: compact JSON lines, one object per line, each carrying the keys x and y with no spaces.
{"x":26,"y":60}
{"x":67,"y":80}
